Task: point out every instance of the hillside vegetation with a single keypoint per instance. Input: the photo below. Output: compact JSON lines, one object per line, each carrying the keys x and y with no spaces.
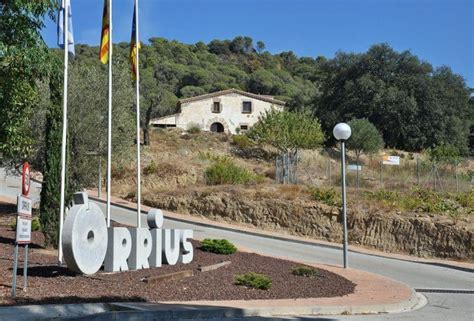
{"x":175,"y":177}
{"x":413,"y":105}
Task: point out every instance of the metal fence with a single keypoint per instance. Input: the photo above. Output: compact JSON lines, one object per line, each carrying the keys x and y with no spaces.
{"x":323,"y":169}
{"x":286,"y":166}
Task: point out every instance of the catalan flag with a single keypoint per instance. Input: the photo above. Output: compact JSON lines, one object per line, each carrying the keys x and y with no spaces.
{"x":133,"y":46}
{"x":104,"y":39}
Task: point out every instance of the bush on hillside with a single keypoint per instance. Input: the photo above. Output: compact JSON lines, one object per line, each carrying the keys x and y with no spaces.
{"x":193,"y":128}
{"x":218,"y":246}
{"x":225,"y":171}
{"x":326,"y":196}
{"x":241,"y":141}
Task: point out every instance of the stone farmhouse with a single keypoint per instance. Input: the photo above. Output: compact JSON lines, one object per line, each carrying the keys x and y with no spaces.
{"x":230,"y":111}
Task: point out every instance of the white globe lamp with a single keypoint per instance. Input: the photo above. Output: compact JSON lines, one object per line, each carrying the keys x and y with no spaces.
{"x":342,"y":131}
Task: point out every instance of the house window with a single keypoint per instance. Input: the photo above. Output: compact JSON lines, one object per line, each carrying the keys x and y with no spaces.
{"x":244,"y":128}
{"x":246,"y":107}
{"x":216,"y":107}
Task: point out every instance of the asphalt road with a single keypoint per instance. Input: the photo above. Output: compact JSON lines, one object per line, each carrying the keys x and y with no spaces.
{"x":441,"y":306}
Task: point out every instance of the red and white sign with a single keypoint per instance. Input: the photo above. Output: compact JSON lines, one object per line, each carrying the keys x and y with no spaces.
{"x":25,"y":179}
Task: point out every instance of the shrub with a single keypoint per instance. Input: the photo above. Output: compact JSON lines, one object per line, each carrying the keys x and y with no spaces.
{"x":193,"y":128}
{"x":118,"y":171}
{"x":225,"y":171}
{"x":444,"y":153}
{"x":466,"y":199}
{"x":131,"y":195}
{"x":253,"y":280}
{"x":150,"y":168}
{"x":218,"y":246}
{"x":241,"y":141}
{"x":35,"y":224}
{"x":326,"y":196}
{"x":306,"y":271}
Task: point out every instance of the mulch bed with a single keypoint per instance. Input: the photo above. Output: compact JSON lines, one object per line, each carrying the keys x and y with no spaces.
{"x":48,"y":283}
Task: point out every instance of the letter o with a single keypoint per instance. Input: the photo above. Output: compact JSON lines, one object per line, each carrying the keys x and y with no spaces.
{"x":85,"y":238}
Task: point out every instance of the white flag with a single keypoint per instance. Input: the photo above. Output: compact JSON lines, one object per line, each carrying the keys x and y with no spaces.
{"x":61,"y":26}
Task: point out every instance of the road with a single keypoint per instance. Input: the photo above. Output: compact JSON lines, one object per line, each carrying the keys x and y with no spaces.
{"x":441,"y":306}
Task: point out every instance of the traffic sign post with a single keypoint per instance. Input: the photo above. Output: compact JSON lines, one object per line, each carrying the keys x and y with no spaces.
{"x":23,"y":227}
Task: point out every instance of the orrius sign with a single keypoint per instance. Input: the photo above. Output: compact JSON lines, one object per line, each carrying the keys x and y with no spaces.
{"x":88,"y":243}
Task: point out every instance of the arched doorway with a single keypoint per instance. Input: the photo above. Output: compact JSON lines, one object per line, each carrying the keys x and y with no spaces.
{"x":217,"y":127}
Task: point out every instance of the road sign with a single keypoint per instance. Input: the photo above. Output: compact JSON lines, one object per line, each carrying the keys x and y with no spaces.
{"x":24,"y":206}
{"x":354,"y":168}
{"x":23,"y":230}
{"x":391,"y":160}
{"x":25,"y":179}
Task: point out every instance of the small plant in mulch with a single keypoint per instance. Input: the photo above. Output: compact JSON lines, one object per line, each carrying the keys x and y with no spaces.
{"x":306,"y":271}
{"x":218,"y":246}
{"x":253,"y":280}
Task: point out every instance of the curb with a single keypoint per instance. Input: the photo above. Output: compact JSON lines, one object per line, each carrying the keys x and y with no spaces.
{"x":183,"y":311}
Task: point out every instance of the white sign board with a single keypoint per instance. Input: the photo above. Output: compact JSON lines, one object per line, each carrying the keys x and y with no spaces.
{"x":354,"y":168}
{"x":23,"y":230}
{"x":391,"y":160}
{"x":24,"y":206}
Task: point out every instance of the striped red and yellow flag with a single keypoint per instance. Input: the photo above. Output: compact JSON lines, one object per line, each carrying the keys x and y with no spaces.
{"x":104,"y":39}
{"x":134,"y":48}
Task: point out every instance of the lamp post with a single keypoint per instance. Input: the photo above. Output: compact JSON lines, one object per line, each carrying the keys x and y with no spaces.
{"x":342,"y":132}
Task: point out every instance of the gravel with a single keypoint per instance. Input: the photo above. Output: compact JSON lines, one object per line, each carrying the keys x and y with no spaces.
{"x":48,"y":283}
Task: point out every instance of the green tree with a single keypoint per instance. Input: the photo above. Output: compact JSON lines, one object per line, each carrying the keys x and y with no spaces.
{"x":157,"y":101}
{"x":287,"y":131}
{"x":260,"y":46}
{"x":444,"y":153}
{"x":414,"y":106}
{"x":365,"y":139}
{"x":24,"y":59}
{"x":50,"y":188}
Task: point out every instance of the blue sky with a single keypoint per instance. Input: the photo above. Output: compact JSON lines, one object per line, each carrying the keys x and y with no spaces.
{"x":438,"y":31}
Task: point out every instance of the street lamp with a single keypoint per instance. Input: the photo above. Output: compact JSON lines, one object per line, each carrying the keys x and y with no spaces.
{"x":342,"y":132}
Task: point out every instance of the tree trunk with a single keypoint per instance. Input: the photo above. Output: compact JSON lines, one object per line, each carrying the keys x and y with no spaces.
{"x":146,"y":136}
{"x":146,"y":125}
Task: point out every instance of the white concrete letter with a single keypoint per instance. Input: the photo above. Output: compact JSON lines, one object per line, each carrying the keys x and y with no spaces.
{"x":187,"y":252}
{"x":171,"y":246}
{"x":141,"y":248}
{"x":119,"y":247}
{"x":154,"y":218}
{"x":156,"y":252}
{"x":84,"y":238}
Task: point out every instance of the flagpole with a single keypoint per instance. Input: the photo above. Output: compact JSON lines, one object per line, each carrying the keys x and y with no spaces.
{"x":63,"y":144}
{"x":137,"y":83}
{"x":109,"y":119}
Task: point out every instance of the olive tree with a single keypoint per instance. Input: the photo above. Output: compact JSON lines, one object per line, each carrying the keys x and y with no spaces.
{"x":287,"y":131}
